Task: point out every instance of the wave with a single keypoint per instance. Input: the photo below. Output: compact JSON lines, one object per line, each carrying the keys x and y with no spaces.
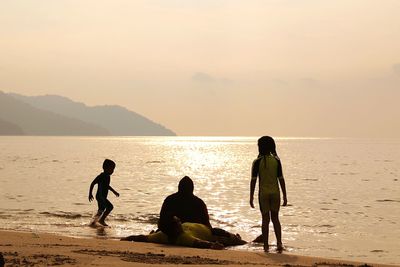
{"x":63,"y":214}
{"x":388,"y":200}
{"x":146,"y":218}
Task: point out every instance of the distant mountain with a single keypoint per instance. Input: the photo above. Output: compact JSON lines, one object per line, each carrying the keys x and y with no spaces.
{"x":116,"y":120}
{"x":8,"y":128}
{"x":19,"y":118}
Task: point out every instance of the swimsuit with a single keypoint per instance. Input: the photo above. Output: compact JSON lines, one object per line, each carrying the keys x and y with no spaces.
{"x":268,"y":168}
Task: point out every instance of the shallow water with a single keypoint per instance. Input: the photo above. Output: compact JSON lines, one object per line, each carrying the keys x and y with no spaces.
{"x":343,"y":194}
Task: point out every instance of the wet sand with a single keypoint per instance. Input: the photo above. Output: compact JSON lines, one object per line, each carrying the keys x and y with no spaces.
{"x":40,"y":249}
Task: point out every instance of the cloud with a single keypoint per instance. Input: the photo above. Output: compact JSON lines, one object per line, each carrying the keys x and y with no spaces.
{"x":203,"y":78}
{"x":396,"y":69}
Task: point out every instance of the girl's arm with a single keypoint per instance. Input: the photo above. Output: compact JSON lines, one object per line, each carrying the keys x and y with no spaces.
{"x":282,"y":183}
{"x":252,"y":188}
{"x":254,"y":174}
{"x":283,"y":188}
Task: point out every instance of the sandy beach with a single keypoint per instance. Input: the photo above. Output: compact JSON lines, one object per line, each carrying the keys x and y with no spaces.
{"x":41,"y":249}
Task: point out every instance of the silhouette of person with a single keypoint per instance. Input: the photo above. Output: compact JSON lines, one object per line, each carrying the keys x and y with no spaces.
{"x":2,"y":261}
{"x":188,"y":208}
{"x":184,"y":205}
{"x":103,"y":186}
{"x":268,"y":169}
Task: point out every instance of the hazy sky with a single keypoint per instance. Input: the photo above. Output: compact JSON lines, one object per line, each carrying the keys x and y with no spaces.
{"x":214,"y":67}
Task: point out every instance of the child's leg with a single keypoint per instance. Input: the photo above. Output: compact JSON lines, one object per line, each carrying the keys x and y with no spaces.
{"x":109,"y":208}
{"x":100,"y":210}
{"x":265,"y":229}
{"x":277,"y":229}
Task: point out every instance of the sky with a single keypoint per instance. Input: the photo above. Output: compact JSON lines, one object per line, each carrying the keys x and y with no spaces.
{"x":214,"y":67}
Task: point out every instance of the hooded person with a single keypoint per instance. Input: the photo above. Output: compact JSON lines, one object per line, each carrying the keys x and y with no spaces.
{"x":184,"y":220}
{"x":185,"y":206}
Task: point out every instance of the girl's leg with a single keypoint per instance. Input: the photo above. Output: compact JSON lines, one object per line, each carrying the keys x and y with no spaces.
{"x":277,"y":229}
{"x":265,"y":229}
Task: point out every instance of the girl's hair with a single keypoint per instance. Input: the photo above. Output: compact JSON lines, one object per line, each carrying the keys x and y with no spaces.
{"x":266,"y":146}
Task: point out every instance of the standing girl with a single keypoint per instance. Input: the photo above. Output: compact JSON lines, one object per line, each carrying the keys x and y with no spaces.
{"x":267,"y":167}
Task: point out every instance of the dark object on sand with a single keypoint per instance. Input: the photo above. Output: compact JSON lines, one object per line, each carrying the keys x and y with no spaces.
{"x":2,"y":262}
{"x":259,"y":239}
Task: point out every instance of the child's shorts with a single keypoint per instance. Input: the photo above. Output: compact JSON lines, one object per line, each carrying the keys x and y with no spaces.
{"x":269,"y":202}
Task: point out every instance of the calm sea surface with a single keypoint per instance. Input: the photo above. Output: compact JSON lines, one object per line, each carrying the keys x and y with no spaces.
{"x":343,"y":194}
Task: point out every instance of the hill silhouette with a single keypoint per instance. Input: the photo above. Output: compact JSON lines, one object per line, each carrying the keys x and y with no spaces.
{"x":114,"y":120}
{"x":9,"y":128}
{"x":21,"y":118}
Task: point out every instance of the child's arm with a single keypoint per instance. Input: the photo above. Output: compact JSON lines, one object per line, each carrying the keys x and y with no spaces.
{"x":112,"y":190}
{"x":282,"y":184}
{"x":283,"y":187}
{"x":95,"y":181}
{"x":254,"y":174}
{"x":252,"y":188}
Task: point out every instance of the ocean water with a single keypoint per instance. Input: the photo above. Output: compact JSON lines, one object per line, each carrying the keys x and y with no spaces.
{"x":343,"y":194}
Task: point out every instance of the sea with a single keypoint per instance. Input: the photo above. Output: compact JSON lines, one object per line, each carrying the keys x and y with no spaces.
{"x":343,"y":193}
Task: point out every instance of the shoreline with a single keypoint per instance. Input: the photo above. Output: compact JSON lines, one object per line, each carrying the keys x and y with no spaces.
{"x":44,"y":249}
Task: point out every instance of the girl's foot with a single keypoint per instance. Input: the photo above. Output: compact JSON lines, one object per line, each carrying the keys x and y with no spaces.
{"x":266,"y":247}
{"x":279,"y":247}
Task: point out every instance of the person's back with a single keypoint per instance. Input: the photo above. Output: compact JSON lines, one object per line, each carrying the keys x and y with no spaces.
{"x":188,"y":208}
{"x":269,"y":170}
{"x":184,"y":205}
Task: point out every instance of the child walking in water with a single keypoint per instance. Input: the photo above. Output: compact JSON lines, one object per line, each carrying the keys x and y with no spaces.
{"x":267,"y":167}
{"x":103,"y":185}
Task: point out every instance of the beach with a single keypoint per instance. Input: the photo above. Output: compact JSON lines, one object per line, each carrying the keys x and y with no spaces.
{"x":43,"y":249}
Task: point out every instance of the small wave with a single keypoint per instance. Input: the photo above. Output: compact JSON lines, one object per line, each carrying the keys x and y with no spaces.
{"x":378,"y":251}
{"x":388,"y":200}
{"x":67,"y":215}
{"x":326,"y":225}
{"x":79,"y":204}
{"x":155,"y":161}
{"x":147,"y":218}
{"x":326,"y":209}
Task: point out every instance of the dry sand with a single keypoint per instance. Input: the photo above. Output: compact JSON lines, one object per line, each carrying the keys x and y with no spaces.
{"x":39,"y":249}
